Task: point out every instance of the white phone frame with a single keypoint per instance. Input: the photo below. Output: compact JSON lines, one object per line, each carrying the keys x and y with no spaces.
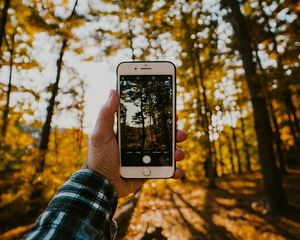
{"x":148,"y":68}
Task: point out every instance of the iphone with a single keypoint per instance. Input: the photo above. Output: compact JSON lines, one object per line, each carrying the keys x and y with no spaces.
{"x":147,"y":119}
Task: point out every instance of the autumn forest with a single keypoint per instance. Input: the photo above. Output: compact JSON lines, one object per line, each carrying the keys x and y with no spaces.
{"x":238,"y":99}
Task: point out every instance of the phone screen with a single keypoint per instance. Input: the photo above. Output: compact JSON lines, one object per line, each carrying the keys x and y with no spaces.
{"x":146,"y":120}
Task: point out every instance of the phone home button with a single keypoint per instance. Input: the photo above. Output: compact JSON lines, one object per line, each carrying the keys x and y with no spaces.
{"x":146,"y":159}
{"x":146,"y":172}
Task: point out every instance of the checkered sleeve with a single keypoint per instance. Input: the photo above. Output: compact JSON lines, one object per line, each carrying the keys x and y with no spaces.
{"x":82,"y":209}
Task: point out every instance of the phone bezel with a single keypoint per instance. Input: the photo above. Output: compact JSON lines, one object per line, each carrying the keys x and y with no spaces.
{"x":150,"y":67}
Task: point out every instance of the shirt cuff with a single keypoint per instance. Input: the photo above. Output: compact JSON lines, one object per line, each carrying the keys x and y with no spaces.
{"x":91,"y":189}
{"x":87,"y":195}
{"x":81,"y":209}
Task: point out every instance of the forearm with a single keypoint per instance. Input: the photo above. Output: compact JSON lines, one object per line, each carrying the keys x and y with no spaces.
{"x":82,"y":209}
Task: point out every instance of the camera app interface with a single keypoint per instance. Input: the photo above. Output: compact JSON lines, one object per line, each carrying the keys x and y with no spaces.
{"x":146,"y":120}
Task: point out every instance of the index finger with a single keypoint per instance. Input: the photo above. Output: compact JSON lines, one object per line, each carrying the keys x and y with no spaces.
{"x":180,"y":136}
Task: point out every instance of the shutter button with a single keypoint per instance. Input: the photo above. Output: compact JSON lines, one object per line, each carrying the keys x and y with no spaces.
{"x":146,"y":159}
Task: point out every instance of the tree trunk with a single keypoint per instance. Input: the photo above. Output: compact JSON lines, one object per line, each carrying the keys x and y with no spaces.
{"x":143,"y":123}
{"x":124,"y":214}
{"x":277,"y":138}
{"x":293,"y":132}
{"x":276,"y":132}
{"x":80,"y":115}
{"x":56,"y":144}
{"x":3,"y":24}
{"x":230,"y":153}
{"x":246,"y":146}
{"x":43,"y":147}
{"x":221,"y":157}
{"x":5,"y":119}
{"x":130,"y":38}
{"x":215,"y":157}
{"x":293,"y":120}
{"x":211,"y":167}
{"x":152,"y":121}
{"x":237,"y":153}
{"x":272,"y":179}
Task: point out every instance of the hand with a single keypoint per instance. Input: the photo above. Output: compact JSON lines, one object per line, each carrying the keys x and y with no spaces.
{"x":103,"y":155}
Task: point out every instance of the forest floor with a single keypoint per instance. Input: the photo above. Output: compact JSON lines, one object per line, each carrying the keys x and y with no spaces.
{"x":234,"y":210}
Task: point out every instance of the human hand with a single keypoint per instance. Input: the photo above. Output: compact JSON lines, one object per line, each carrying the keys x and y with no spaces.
{"x":103,"y":154}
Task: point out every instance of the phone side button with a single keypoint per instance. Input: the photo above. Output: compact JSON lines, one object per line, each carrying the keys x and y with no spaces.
{"x":146,"y":172}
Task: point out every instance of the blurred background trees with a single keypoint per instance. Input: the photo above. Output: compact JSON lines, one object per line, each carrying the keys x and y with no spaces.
{"x":238,"y":78}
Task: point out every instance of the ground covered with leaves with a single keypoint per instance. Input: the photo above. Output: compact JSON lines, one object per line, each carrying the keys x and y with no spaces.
{"x":173,"y":209}
{"x":233,"y":210}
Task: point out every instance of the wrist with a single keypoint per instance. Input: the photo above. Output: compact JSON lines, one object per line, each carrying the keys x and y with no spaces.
{"x":87,"y":166}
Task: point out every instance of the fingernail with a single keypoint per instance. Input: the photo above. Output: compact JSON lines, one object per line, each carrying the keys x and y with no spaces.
{"x":111,"y":92}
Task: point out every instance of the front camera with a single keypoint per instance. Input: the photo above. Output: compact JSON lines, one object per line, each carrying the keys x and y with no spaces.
{"x":135,"y":68}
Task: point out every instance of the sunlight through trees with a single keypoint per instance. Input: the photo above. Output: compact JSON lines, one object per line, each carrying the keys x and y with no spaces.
{"x":237,"y":98}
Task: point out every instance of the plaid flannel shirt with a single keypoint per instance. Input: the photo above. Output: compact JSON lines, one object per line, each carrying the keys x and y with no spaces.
{"x":82,"y":209}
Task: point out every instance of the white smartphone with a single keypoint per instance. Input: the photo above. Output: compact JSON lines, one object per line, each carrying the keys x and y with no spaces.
{"x":147,"y":119}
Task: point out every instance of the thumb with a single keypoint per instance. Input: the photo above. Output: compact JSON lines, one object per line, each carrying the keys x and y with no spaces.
{"x":105,"y":122}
